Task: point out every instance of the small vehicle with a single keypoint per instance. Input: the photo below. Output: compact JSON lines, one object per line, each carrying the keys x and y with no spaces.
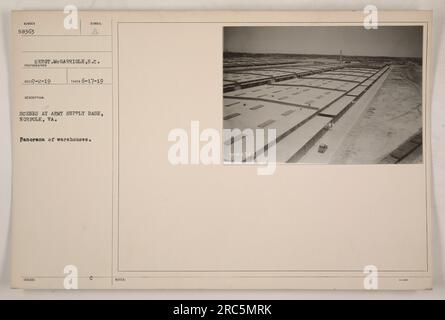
{"x":322,"y":148}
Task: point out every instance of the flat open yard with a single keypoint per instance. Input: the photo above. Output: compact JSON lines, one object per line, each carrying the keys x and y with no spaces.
{"x":392,"y":116}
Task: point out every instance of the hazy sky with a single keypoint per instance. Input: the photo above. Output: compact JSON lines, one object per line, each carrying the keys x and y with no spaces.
{"x":354,"y":40}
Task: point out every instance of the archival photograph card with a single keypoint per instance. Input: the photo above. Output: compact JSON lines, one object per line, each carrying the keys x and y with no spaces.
{"x":221,"y":150}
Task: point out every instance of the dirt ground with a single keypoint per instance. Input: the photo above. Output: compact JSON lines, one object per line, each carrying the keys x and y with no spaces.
{"x":392,"y":116}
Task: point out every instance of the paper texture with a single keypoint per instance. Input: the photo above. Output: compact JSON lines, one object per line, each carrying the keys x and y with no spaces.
{"x":97,"y":201}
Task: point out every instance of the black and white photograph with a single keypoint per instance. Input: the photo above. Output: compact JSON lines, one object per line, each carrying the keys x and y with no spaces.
{"x":227,"y":158}
{"x":332,"y":94}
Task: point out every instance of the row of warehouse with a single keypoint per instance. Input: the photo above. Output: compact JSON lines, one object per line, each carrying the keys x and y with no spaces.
{"x":299,"y":102}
